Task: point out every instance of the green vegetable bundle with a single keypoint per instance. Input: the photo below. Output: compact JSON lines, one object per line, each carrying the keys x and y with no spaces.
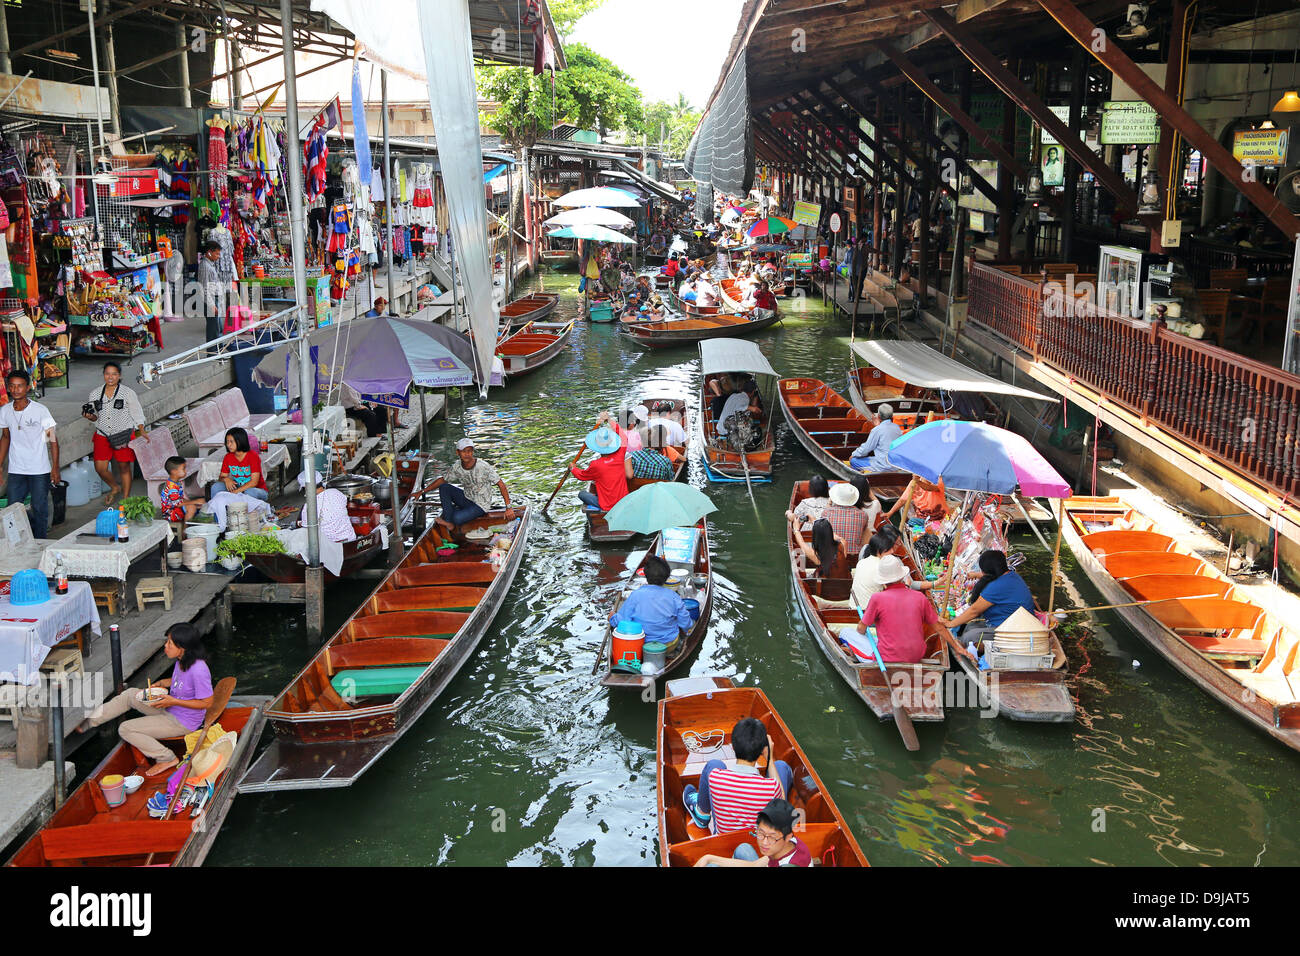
{"x":138,"y":508}
{"x":242,"y":544}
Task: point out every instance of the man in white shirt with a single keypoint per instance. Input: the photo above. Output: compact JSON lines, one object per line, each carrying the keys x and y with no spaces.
{"x":705,"y":296}
{"x":26,"y":429}
{"x":663,"y":430}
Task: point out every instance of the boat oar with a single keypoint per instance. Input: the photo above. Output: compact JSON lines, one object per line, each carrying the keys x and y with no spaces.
{"x":220,"y":698}
{"x":1061,"y":612}
{"x":902,"y":718}
{"x":567,"y":472}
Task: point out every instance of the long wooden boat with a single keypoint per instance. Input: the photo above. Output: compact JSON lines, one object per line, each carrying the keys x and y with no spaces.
{"x":292,"y":569}
{"x":559,"y":258}
{"x":919,"y":685}
{"x":688,"y":641}
{"x":683,"y":330}
{"x":533,"y":346}
{"x":529,"y":308}
{"x":1212,"y":633}
{"x":1034,"y":694}
{"x":706,"y":709}
{"x":869,"y":388}
{"x":597,"y":528}
{"x":382,"y":669}
{"x":724,"y":463}
{"x":830,"y":430}
{"x":86,"y":831}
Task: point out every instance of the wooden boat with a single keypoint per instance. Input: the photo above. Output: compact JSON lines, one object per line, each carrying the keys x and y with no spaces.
{"x":86,"y":831}
{"x":559,"y":258}
{"x":528,"y":308}
{"x":292,"y":569}
{"x":533,"y":346}
{"x":602,"y":308}
{"x":371,"y":681}
{"x":1212,"y":633}
{"x":682,"y":330}
{"x":733,"y":296}
{"x":869,"y":388}
{"x":687,"y":641}
{"x":919,"y":685}
{"x":1012,"y":690}
{"x":705,"y":707}
{"x":597,"y":529}
{"x":722,"y":461}
{"x":830,"y":429}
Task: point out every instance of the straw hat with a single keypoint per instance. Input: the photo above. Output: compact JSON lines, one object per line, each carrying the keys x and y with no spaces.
{"x":1023,"y":633}
{"x":889,"y":569}
{"x":844,"y":495}
{"x":212,"y":759}
{"x":603,"y":441}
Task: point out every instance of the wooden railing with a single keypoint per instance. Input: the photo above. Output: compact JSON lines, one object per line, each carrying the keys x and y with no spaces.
{"x":1242,"y":413}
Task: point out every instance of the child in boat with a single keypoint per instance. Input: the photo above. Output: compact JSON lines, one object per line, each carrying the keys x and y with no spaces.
{"x":777,"y":844}
{"x":728,"y":800}
{"x":171,"y":493}
{"x":659,"y":610}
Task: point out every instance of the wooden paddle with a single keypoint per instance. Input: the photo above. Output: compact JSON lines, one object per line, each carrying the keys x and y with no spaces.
{"x":220,"y":699}
{"x":567,"y":472}
{"x":1107,"y":607}
{"x":902,"y":718}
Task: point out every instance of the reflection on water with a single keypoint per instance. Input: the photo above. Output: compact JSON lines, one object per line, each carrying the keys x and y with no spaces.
{"x":526,"y":760}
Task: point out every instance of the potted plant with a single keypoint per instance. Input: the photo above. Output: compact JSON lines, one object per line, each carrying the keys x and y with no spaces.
{"x":138,"y":509}
{"x":231,"y":551}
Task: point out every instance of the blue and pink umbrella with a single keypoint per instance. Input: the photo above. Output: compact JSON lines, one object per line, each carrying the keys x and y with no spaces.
{"x":973,"y":456}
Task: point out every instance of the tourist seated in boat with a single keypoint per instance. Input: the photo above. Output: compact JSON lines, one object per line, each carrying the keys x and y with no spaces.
{"x":811,"y":508}
{"x":662,"y":430}
{"x":764,"y":300}
{"x":848,"y":520}
{"x":873,"y":454}
{"x":742,"y":405}
{"x":606,"y":470}
{"x":177,"y":713}
{"x":649,"y":464}
{"x":670,"y":268}
{"x":720,"y":389}
{"x":627,"y":278}
{"x":172,"y":502}
{"x":776,"y":843}
{"x":882,"y":544}
{"x":466,"y":489}
{"x":686,"y":291}
{"x":827,"y":552}
{"x":331,"y":512}
{"x":241,"y":469}
{"x":867,"y":500}
{"x":642,"y":290}
{"x":659,"y":610}
{"x":729,"y":799}
{"x":624,"y":426}
{"x":928,"y":501}
{"x":903,"y":617}
{"x":705,"y":295}
{"x":996,"y":596}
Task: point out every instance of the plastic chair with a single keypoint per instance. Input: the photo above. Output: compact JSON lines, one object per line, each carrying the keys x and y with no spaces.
{"x":152,"y":455}
{"x":207,"y":426}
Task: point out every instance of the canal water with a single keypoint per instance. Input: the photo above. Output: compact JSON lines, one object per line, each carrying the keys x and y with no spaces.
{"x":525,"y":759}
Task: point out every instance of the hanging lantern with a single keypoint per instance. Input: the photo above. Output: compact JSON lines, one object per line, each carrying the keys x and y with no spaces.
{"x":1034,"y":193}
{"x":1150,"y":195}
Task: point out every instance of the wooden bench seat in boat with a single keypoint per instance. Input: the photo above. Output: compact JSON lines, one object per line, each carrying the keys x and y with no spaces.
{"x":1128,"y":564}
{"x":1154,"y":587}
{"x":1123,"y":540}
{"x":435,"y":575}
{"x":406,"y":624}
{"x":92,"y":841}
{"x":1206,"y":615}
{"x":1230,"y":648}
{"x":427,"y":598}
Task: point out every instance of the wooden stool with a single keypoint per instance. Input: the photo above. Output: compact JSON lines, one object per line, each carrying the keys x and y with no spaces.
{"x":105,"y":593}
{"x":78,"y":640}
{"x":63,"y":660}
{"x":153,"y":589}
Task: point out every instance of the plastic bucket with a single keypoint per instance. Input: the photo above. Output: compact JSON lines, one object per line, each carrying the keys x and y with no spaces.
{"x":692,"y":608}
{"x":208,"y":533}
{"x":655,"y":654}
{"x":626,"y":646}
{"x":114,"y":787}
{"x":194,"y":554}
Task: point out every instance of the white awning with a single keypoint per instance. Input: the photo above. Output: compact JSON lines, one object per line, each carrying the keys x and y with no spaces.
{"x":920,"y":365}
{"x":733,"y":355}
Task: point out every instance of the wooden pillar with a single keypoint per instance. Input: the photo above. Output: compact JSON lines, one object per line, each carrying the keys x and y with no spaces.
{"x":923,"y":271}
{"x":1169,"y":154}
{"x":1006,"y":181}
{"x":315,"y":595}
{"x":1079,"y":72}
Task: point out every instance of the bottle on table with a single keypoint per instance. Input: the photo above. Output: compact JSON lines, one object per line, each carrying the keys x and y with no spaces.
{"x":123,"y":530}
{"x":60,"y":576}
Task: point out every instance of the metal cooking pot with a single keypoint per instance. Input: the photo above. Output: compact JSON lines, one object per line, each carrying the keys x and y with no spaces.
{"x":383,"y":490}
{"x":351,"y":484}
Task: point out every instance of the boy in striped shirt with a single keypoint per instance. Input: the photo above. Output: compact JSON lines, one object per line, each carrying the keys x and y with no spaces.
{"x":729,"y":800}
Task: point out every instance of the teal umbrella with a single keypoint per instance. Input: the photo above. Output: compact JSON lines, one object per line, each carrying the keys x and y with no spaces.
{"x":591,"y":231}
{"x":664,"y":504}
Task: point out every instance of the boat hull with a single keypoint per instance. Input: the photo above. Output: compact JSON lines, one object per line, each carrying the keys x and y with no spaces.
{"x":291,"y":569}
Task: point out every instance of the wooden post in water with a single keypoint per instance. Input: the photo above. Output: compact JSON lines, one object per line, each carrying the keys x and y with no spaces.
{"x":314,"y":600}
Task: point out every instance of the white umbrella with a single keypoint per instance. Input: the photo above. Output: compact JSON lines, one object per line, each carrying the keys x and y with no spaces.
{"x":592,"y":233}
{"x":598,"y":196}
{"x":590,"y":216}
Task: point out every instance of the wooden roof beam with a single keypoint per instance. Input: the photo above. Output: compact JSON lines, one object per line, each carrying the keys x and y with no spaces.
{"x":795,"y":150}
{"x":1027,"y":100}
{"x":1109,"y":55}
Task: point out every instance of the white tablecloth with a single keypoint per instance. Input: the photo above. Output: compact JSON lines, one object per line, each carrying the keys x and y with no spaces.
{"x":28,"y":632}
{"x":210,"y":468}
{"x":95,"y":557}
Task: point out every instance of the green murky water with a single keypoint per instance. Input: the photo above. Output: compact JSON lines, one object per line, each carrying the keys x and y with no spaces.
{"x":526,"y":760}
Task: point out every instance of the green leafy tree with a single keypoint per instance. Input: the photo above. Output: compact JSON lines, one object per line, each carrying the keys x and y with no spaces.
{"x":671,"y":124}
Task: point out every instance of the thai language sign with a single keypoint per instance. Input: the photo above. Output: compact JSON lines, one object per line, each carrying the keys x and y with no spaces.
{"x":1129,"y":123}
{"x":1260,"y":147}
{"x":807,"y":213}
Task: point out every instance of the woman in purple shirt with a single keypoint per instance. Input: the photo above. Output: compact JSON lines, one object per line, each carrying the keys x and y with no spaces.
{"x":179,"y":712}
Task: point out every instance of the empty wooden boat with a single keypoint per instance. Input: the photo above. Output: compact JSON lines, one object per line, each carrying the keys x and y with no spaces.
{"x":380,"y":672}
{"x":529,"y":308}
{"x":831,"y":430}
{"x":919,"y":686}
{"x":533,"y":346}
{"x":86,"y":831}
{"x":687,"y":641}
{"x":597,"y":528}
{"x":559,"y":258}
{"x":1206,"y":627}
{"x":724,"y":460}
{"x":704,"y":710}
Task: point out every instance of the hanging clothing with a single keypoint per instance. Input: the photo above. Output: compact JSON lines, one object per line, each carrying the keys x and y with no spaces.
{"x":340,"y":225}
{"x":315,"y":154}
{"x":218,"y":159}
{"x":376,"y":185}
